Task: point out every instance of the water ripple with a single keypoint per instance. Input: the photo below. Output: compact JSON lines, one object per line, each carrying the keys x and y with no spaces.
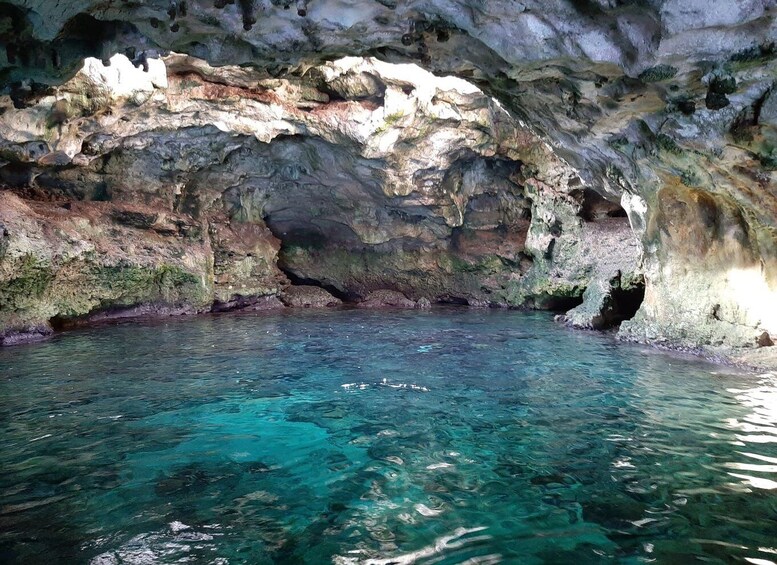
{"x":374,"y":437}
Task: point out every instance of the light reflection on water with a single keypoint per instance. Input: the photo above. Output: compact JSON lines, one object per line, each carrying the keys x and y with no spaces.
{"x":364,"y":437}
{"x":757,"y":427}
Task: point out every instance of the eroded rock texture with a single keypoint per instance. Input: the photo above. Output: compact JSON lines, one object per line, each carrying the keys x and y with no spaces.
{"x":362,"y":176}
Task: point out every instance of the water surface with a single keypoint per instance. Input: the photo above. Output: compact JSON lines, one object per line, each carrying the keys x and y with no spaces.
{"x":374,"y":437}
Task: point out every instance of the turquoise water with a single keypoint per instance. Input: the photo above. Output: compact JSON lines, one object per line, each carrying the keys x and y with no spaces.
{"x":370,"y":437}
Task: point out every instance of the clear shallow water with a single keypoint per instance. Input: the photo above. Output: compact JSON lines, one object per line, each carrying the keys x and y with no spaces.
{"x":350,"y":437}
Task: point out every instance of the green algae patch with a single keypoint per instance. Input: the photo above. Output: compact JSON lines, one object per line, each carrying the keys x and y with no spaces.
{"x":393,"y":119}
{"x":753,"y":56}
{"x":28,"y":281}
{"x":538,"y":290}
{"x":130,"y":284}
{"x":668,"y":144}
{"x":658,"y":73}
{"x":460,"y":265}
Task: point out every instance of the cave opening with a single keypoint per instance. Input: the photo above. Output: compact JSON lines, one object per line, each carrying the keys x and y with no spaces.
{"x":59,"y":323}
{"x":297,"y":280}
{"x":557,"y":303}
{"x":627,"y":302}
{"x":595,"y":207}
{"x":390,"y":179}
{"x":539,"y":156}
{"x":453,"y":300}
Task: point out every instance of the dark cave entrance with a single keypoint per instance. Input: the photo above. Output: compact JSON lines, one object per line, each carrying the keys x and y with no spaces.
{"x":456,"y":233}
{"x":626,"y":302}
{"x":296,"y":280}
{"x":595,"y":207}
{"x":558,"y":304}
{"x":621,"y":305}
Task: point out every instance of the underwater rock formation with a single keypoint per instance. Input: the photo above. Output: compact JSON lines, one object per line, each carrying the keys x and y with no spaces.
{"x":598,"y":151}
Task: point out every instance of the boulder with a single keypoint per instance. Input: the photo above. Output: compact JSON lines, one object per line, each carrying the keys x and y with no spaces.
{"x":386,"y":299}
{"x":305,"y":296}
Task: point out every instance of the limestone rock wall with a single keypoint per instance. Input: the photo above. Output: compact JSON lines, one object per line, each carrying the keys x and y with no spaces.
{"x":61,"y":261}
{"x":712,"y":275}
{"x":359,"y":176}
{"x":666,"y":106}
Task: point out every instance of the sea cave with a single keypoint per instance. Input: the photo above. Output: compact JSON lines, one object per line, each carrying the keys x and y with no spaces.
{"x":388,"y":281}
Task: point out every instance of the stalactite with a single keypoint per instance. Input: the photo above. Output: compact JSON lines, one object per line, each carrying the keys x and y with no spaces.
{"x":141,"y":61}
{"x":249,"y":19}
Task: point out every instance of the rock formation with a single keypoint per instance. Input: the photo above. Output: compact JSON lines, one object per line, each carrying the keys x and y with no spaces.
{"x":190,"y":155}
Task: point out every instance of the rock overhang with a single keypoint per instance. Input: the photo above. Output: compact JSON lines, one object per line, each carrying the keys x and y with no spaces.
{"x":625,"y":97}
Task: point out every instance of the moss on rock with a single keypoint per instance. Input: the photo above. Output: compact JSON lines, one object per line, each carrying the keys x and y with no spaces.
{"x":658,"y":73}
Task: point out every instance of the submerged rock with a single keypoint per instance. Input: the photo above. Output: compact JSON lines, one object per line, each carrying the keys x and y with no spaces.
{"x":24,"y":334}
{"x":249,"y":303}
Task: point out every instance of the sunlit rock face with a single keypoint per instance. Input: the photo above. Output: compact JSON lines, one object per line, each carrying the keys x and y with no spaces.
{"x":712,"y":272}
{"x":368,"y":178}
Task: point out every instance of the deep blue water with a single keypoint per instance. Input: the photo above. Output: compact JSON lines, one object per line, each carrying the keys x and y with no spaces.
{"x":375,"y":437}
